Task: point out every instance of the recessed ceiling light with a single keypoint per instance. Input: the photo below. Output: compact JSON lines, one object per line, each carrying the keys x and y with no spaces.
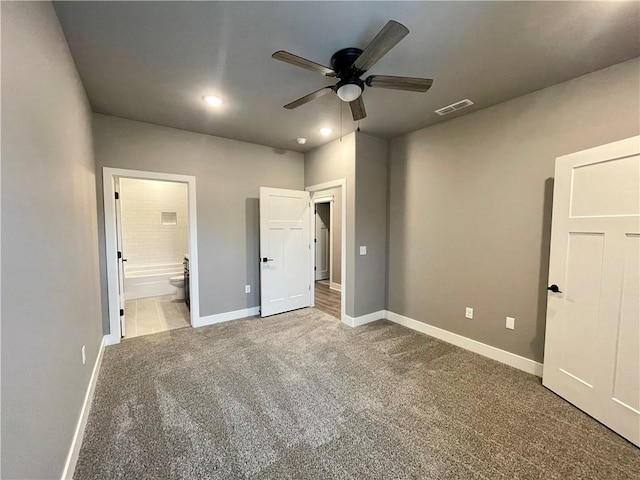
{"x":211,"y":100}
{"x":326,"y":131}
{"x":301,"y":140}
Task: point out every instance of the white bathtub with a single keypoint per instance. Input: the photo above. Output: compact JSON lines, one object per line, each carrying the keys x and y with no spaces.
{"x":150,"y":280}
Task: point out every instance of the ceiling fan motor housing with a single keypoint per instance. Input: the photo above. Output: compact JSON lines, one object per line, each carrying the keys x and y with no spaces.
{"x":342,"y":64}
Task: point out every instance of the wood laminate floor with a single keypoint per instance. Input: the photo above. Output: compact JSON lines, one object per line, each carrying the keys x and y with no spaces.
{"x":327,"y":300}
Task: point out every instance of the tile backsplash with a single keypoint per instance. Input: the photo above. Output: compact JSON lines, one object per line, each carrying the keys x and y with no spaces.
{"x":154,"y":221}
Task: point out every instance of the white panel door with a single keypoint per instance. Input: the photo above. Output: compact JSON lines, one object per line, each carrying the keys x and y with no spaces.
{"x":592,"y":343}
{"x":120,"y":257}
{"x":322,"y":240}
{"x":285,"y":250}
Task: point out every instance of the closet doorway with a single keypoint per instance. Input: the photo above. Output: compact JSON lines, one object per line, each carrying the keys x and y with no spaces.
{"x":328,"y":233}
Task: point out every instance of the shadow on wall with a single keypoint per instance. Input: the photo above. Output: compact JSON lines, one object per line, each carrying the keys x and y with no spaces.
{"x":397,"y":220}
{"x":545,"y":245}
{"x":252,"y":219}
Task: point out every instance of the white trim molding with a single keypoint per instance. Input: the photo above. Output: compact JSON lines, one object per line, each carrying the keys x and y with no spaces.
{"x":78,"y":434}
{"x":364,"y":319}
{"x":227,"y":316}
{"x":502,"y":356}
{"x":335,"y":286}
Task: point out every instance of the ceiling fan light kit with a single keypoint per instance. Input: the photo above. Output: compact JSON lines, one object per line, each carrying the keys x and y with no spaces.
{"x":348,"y":92}
{"x":349,"y":64}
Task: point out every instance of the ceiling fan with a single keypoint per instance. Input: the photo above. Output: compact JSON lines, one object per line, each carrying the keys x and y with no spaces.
{"x":349,"y":64}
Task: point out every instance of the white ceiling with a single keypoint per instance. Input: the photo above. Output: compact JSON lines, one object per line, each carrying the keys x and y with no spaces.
{"x":153,"y":61}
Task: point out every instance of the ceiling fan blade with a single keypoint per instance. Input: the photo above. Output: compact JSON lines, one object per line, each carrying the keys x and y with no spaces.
{"x":411,"y":84}
{"x":357,"y":109}
{"x":302,"y":62}
{"x":308,"y":98}
{"x":384,"y":41}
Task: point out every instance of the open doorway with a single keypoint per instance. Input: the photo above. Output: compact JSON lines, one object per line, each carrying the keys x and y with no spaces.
{"x":150,"y":229}
{"x":327,"y":253}
{"x":328,"y":241}
{"x":154,"y":222}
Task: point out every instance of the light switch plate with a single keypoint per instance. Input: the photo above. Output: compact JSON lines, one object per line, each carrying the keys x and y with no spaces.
{"x":363,"y":249}
{"x":247,"y":289}
{"x":511,"y":323}
{"x":468,"y":312}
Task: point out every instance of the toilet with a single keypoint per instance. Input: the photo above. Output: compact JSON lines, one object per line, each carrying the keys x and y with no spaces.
{"x":178,"y":282}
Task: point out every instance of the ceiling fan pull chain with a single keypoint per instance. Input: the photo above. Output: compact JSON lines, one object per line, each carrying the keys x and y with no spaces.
{"x":341,"y":115}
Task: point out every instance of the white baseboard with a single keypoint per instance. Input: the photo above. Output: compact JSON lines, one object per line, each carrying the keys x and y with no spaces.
{"x":110,"y":339}
{"x":508,"y":358}
{"x":78,"y":435}
{"x":227,"y":316}
{"x":364,"y":319}
{"x":335,"y":286}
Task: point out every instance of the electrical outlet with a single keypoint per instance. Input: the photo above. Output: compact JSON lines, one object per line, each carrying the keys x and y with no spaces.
{"x":468,"y":312}
{"x":84,"y":355}
{"x":247,"y":289}
{"x":363,"y":250}
{"x":511,"y":323}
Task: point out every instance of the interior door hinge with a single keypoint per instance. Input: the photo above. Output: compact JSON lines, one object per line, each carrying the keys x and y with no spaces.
{"x":122,"y":312}
{"x":315,"y":268}
{"x":117,"y":196}
{"x":315,"y":240}
{"x":119,"y":255}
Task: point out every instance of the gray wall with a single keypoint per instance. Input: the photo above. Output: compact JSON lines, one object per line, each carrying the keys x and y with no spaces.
{"x":470,"y":205}
{"x":334,"y":161}
{"x":228,"y":174}
{"x":362,"y":160}
{"x":50,"y":280}
{"x":371,"y":223}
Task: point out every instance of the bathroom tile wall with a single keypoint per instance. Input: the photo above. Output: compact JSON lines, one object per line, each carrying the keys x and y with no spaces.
{"x":146,"y":241}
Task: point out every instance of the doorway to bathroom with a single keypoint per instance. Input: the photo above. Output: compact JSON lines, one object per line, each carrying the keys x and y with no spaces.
{"x":151,"y":252}
{"x":155,"y":235}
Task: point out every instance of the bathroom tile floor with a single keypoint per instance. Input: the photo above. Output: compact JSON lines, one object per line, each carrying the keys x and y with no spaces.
{"x":154,"y":314}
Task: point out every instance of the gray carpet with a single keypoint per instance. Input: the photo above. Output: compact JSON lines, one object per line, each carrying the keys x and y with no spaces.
{"x":301,"y":396}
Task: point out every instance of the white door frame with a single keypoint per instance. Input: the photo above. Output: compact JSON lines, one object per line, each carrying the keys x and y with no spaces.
{"x":328,"y":199}
{"x":108,"y":187}
{"x":342,"y":183}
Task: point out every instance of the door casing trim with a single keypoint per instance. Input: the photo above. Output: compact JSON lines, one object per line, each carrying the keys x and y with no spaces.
{"x":108,"y":187}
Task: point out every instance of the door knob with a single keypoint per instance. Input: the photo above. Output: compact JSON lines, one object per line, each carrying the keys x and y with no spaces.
{"x":265,"y":259}
{"x":554,"y":288}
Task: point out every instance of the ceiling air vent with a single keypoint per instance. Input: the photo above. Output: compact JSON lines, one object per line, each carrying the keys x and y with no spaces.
{"x":454,"y":107}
